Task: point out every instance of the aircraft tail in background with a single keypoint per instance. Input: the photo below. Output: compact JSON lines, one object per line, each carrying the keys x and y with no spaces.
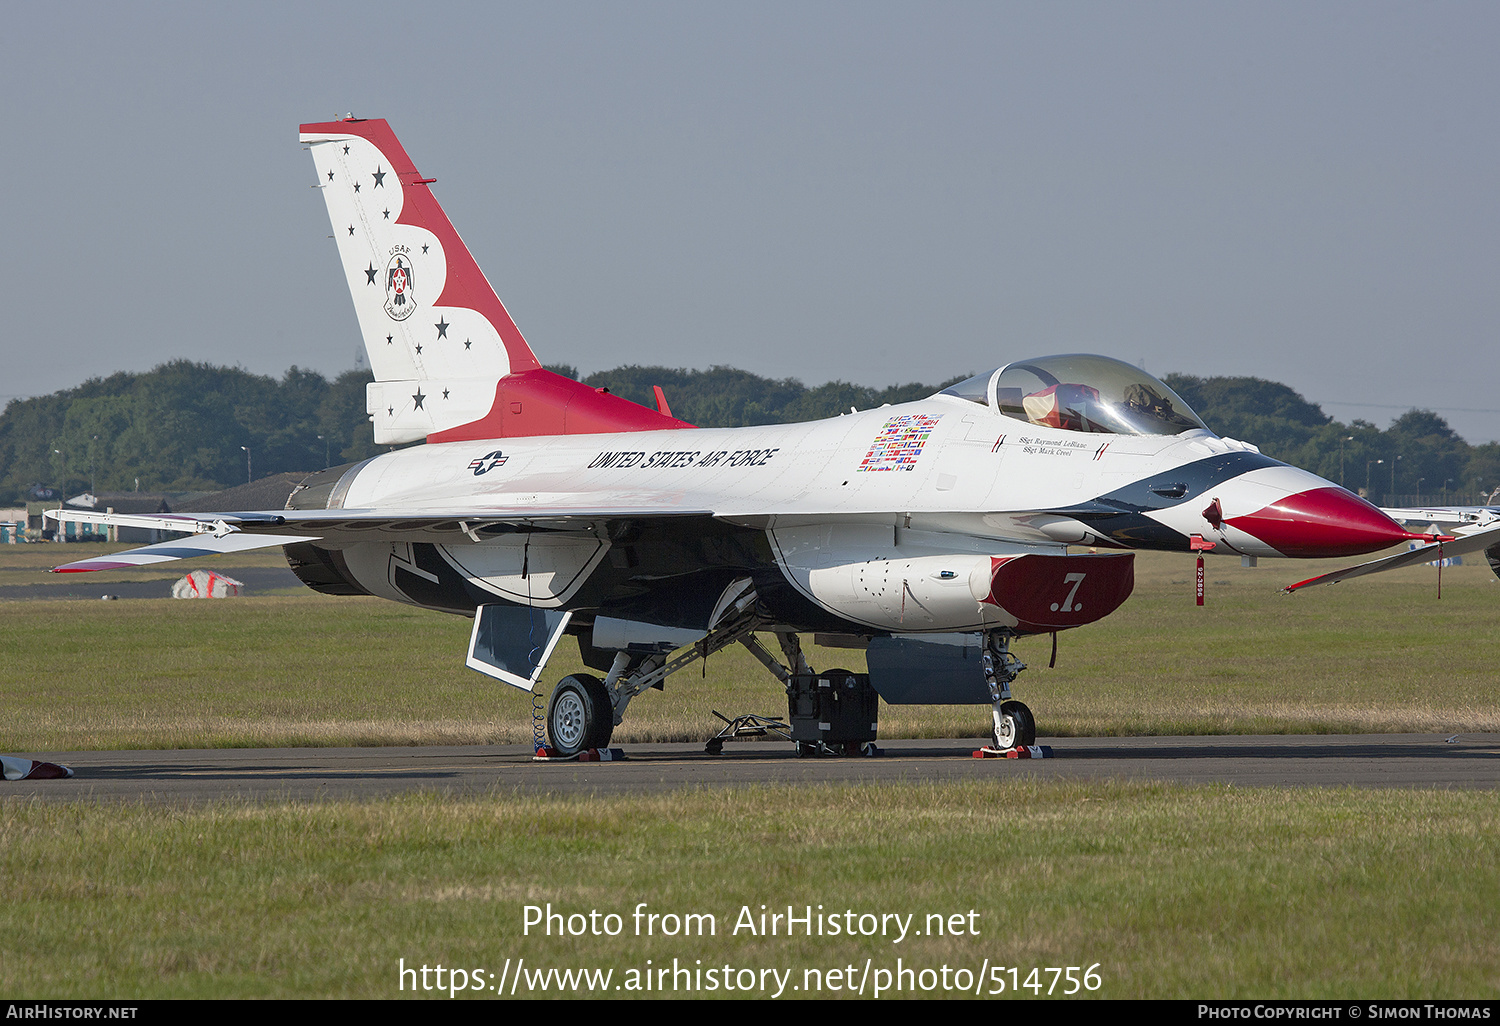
{"x":449,"y":362}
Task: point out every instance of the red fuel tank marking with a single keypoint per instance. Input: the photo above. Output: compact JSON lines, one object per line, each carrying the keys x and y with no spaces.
{"x":1051,"y":593}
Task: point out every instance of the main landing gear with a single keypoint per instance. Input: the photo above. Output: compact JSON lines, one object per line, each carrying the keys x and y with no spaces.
{"x":1013,"y":724}
{"x":579,"y":715}
{"x":584,"y":710}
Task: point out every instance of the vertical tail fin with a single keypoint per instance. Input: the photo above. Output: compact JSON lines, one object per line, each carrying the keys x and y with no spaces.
{"x":449,"y":362}
{"x":418,"y":292}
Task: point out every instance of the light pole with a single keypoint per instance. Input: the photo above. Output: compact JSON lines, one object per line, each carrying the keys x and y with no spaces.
{"x":1393,"y":476}
{"x":247,"y":463}
{"x":1342,"y":440}
{"x":1368,"y":464}
{"x":61,"y":534}
{"x":327,"y":458}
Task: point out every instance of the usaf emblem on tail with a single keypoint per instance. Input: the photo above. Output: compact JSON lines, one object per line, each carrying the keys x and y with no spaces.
{"x":399,"y":299}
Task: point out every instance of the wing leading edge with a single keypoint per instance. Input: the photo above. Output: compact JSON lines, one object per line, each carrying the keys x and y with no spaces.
{"x":220,"y":533}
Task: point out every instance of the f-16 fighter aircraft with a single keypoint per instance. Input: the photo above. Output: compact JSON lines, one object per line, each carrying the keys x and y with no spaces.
{"x":931,"y":534}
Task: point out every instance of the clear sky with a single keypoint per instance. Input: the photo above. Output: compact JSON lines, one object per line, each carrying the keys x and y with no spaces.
{"x":882,"y":193}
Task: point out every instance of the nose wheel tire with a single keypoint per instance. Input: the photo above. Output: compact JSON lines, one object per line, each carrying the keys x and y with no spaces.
{"x":1015,"y":727}
{"x":579,"y":715}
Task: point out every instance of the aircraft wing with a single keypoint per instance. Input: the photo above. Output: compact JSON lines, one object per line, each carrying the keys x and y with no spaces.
{"x":1448,"y":516}
{"x":218,"y":533}
{"x":1474,"y":540}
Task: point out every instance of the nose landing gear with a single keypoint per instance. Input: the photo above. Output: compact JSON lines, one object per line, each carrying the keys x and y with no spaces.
{"x":1014,"y":726}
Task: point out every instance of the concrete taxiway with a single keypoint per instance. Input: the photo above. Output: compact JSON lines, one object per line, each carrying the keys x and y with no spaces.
{"x":304,"y":774}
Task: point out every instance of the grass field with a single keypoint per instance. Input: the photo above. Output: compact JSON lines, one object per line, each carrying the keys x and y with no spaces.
{"x":1166,"y":891}
{"x":1379,"y":654}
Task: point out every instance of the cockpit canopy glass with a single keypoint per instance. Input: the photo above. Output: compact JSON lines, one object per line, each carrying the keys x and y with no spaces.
{"x":1081,"y":393}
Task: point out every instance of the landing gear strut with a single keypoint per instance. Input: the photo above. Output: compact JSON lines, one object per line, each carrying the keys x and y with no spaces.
{"x":584,"y":710}
{"x":1014,"y":726}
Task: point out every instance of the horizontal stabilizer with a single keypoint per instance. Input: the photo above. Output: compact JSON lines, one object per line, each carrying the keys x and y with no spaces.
{"x":184,"y":522}
{"x":1413,"y":557}
{"x":185,"y":548}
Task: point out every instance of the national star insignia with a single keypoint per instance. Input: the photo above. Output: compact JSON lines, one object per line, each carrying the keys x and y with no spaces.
{"x":442,"y":327}
{"x":387,"y":213}
{"x":356,"y":186}
{"x":418,"y":398}
{"x":467,"y":343}
{"x":419,"y":349}
{"x":424,"y":247}
{"x":346,"y":149}
{"x":388,"y":340}
{"x":445,"y":393}
{"x":379,"y":176}
{"x":372,"y":272}
{"x":390,"y":411}
{"x":330,"y":176}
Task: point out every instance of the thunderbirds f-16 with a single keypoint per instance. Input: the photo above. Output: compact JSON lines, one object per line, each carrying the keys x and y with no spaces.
{"x":931,"y":534}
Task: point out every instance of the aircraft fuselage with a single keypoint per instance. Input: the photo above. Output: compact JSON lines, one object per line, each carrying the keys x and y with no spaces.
{"x":819,"y":516}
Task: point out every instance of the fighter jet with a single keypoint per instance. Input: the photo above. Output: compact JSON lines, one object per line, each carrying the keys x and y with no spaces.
{"x":931,"y":534}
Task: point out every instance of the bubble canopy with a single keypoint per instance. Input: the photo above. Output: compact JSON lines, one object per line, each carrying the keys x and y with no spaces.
{"x":1093,"y":394}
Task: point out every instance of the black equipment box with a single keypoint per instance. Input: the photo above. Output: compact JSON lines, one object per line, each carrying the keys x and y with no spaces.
{"x":837,"y":706}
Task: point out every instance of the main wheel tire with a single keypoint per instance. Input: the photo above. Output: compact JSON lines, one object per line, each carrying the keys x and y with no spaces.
{"x":579,"y":715}
{"x":1016,"y":727}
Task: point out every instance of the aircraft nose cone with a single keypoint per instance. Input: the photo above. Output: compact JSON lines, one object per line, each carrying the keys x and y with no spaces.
{"x":1323,"y":522}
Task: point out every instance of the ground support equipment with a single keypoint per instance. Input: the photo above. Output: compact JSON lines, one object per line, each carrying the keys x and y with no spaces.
{"x":832,"y":713}
{"x":1020,"y":752}
{"x":549,"y":754}
{"x":749,"y":725}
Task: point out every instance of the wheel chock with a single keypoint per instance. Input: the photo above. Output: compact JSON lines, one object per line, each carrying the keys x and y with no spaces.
{"x":602,"y":755}
{"x":546,"y":753}
{"x":1019,"y":752}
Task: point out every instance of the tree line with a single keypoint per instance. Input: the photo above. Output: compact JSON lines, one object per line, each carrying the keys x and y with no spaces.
{"x":185,"y":427}
{"x":1419,"y":454}
{"x":181,"y":427}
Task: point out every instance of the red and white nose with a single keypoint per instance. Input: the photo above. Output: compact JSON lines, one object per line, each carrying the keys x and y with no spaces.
{"x":1329,"y":521}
